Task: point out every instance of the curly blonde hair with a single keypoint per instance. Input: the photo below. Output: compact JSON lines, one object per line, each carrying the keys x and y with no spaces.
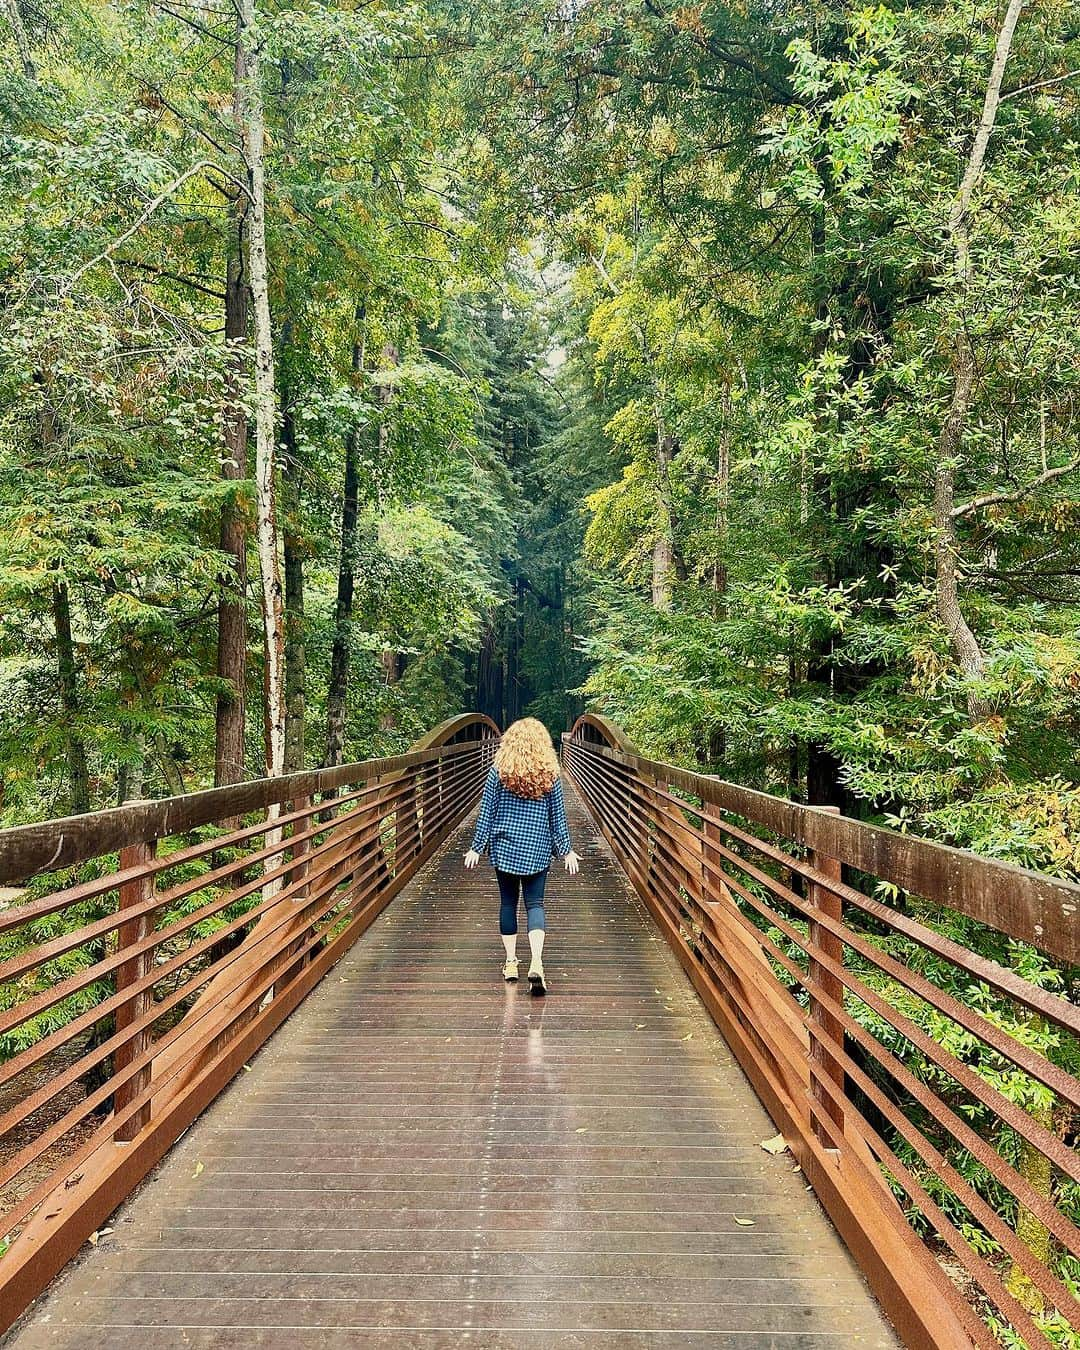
{"x":525,"y":760}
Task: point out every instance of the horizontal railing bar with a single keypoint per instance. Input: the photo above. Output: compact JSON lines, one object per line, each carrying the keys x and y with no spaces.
{"x":1030,"y":906}
{"x":1015,"y":1116}
{"x":77,"y":937}
{"x":75,"y":983}
{"x":1056,"y":1009}
{"x":327,"y":875}
{"x":28,"y":849}
{"x":1049,"y":1074}
{"x":260,"y":936}
{"x":90,"y":890}
{"x":66,"y":942}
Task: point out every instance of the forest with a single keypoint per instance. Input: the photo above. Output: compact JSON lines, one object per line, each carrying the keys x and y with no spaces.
{"x":713,"y":366}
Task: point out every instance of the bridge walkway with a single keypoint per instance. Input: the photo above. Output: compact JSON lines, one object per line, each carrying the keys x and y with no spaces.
{"x":424,"y":1157}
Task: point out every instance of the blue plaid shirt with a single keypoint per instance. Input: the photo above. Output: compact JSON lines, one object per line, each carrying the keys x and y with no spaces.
{"x":523,"y":834}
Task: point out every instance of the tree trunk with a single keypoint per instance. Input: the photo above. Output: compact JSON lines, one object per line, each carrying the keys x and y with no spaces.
{"x":229,"y":757}
{"x":390,"y":661}
{"x":294,"y":548}
{"x":666,"y":558}
{"x":170,"y":770}
{"x":337,"y":693}
{"x":965,"y":646}
{"x":253,"y":132}
{"x":130,"y":781}
{"x":68,"y":673}
{"x":723,"y":501}
{"x":513,"y":657}
{"x":22,"y":42}
{"x":490,"y":676}
{"x":295,"y":653}
{"x":661,"y":572}
{"x":67,"y":669}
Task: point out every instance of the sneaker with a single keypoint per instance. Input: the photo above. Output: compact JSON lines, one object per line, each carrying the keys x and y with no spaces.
{"x":510,"y":969}
{"x":537,"y":983}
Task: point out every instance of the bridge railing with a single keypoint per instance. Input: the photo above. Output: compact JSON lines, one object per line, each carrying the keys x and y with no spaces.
{"x":909,"y":1075}
{"x":158,"y":944}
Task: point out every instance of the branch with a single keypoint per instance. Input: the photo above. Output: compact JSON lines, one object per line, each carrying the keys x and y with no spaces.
{"x":1040,"y":84}
{"x":994,"y":498}
{"x":158,"y":201}
{"x":196,"y":127}
{"x":172,"y":276}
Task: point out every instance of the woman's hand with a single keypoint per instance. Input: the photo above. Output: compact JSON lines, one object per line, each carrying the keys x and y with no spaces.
{"x":472,"y":858}
{"x":573,"y":862}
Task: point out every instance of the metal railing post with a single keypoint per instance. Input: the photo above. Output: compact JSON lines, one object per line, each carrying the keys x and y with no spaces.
{"x":135,"y":892}
{"x":826,"y":1031}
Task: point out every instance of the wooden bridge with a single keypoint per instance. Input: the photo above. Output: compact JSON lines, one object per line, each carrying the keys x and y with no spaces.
{"x":426,"y":1157}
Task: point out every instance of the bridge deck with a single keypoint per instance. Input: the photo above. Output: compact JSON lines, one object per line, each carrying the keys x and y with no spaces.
{"x":424,"y":1157}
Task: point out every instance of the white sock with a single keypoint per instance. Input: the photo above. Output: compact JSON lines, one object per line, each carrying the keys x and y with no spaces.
{"x":510,"y":943}
{"x":536,"y":945}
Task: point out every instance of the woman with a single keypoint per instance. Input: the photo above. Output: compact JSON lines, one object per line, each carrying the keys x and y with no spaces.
{"x":523,"y":823}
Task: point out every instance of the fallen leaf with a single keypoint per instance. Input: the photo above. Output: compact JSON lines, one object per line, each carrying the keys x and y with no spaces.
{"x":639,"y":1026}
{"x":743,"y":1223}
{"x":777,"y":1144}
{"x":198,"y":1169}
{"x":582,"y":1129}
{"x":688,"y":1037}
{"x":92,"y":1239}
{"x":73,"y":1181}
{"x":247,"y":1068}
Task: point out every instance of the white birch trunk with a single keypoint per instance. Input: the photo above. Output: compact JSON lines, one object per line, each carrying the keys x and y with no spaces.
{"x":965,"y":645}
{"x":266,"y":534}
{"x":265,"y":398}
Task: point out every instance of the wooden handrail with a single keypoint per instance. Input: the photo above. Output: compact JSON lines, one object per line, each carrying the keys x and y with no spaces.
{"x":28,"y":849}
{"x":1030,"y":906}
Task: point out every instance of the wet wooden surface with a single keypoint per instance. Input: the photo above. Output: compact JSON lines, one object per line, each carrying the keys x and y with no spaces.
{"x":426,"y":1157}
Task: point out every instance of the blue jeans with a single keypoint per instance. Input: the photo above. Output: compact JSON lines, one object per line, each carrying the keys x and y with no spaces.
{"x":531,"y":888}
